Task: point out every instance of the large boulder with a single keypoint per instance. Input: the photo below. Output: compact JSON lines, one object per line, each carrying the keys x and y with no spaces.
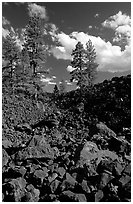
{"x":91,"y":153}
{"x":32,"y":194}
{"x":88,"y":153}
{"x":38,"y":148}
{"x":69,"y":196}
{"x":69,"y":183}
{"x":102,"y":135}
{"x":104,"y":130}
{"x":14,"y":190}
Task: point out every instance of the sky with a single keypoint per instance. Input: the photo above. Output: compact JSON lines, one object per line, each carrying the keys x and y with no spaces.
{"x":106,"y":24}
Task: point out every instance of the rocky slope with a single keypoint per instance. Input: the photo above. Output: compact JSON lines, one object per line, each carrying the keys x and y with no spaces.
{"x":73,"y":161}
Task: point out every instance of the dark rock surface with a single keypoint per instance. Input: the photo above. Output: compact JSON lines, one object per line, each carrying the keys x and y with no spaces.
{"x":81,"y":160}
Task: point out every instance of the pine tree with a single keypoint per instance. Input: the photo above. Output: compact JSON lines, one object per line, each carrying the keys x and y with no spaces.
{"x":84,"y":65}
{"x":90,"y":63}
{"x":62,"y":86}
{"x":35,"y":45}
{"x":11,"y":59}
{"x":56,"y":90}
{"x":35,"y":48}
{"x":10,"y":54}
{"x":55,"y":94}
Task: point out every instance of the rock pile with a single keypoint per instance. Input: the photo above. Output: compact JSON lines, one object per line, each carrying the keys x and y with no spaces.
{"x":66,"y":170}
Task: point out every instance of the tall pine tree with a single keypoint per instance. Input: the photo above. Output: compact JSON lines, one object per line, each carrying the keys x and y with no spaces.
{"x":84,"y":65}
{"x":10,"y":53}
{"x":35,"y":48}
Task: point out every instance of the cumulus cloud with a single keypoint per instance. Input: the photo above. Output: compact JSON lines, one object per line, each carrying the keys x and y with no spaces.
{"x":109,"y":57}
{"x":37,"y":10}
{"x":121,"y":24}
{"x":48,"y":80}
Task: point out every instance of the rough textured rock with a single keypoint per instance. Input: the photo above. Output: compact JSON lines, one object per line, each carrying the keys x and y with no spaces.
{"x":85,"y":186}
{"x":61,"y":171}
{"x":5,"y":158}
{"x":68,"y":183}
{"x":40,"y":175}
{"x":70,"y":196}
{"x":88,"y":153}
{"x":99,"y":195}
{"x":54,"y":185}
{"x":15,"y":190}
{"x":38,"y":148}
{"x":104,"y":130}
{"x":33,"y":193}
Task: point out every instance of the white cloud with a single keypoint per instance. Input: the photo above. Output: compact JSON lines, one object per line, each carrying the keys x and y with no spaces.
{"x":37,"y":10}
{"x":121,"y":24}
{"x":117,"y":20}
{"x":48,"y":80}
{"x":109,"y":57}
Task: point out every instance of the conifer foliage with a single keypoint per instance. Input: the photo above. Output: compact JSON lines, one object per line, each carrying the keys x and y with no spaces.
{"x":10,"y":54}
{"x":84,"y":65}
{"x":35,"y":48}
{"x":34,"y":43}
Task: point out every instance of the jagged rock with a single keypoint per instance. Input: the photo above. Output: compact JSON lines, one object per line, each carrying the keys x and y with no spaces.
{"x":38,"y":148}
{"x":56,"y":151}
{"x":104,"y":130}
{"x":88,"y":153}
{"x":68,"y":183}
{"x":54,"y":185}
{"x":15,"y":190}
{"x":80,"y":198}
{"x":52,"y":177}
{"x":85,"y":186}
{"x":118,"y":168}
{"x":99,"y":195}
{"x":91,"y":170}
{"x":7,"y":143}
{"x":5,"y":158}
{"x":68,"y":196}
{"x":53,"y":198}
{"x":40,"y":175}
{"x":105,"y":179}
{"x":127,"y":169}
{"x":125,"y":179}
{"x":33,"y":193}
{"x":61,"y":171}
